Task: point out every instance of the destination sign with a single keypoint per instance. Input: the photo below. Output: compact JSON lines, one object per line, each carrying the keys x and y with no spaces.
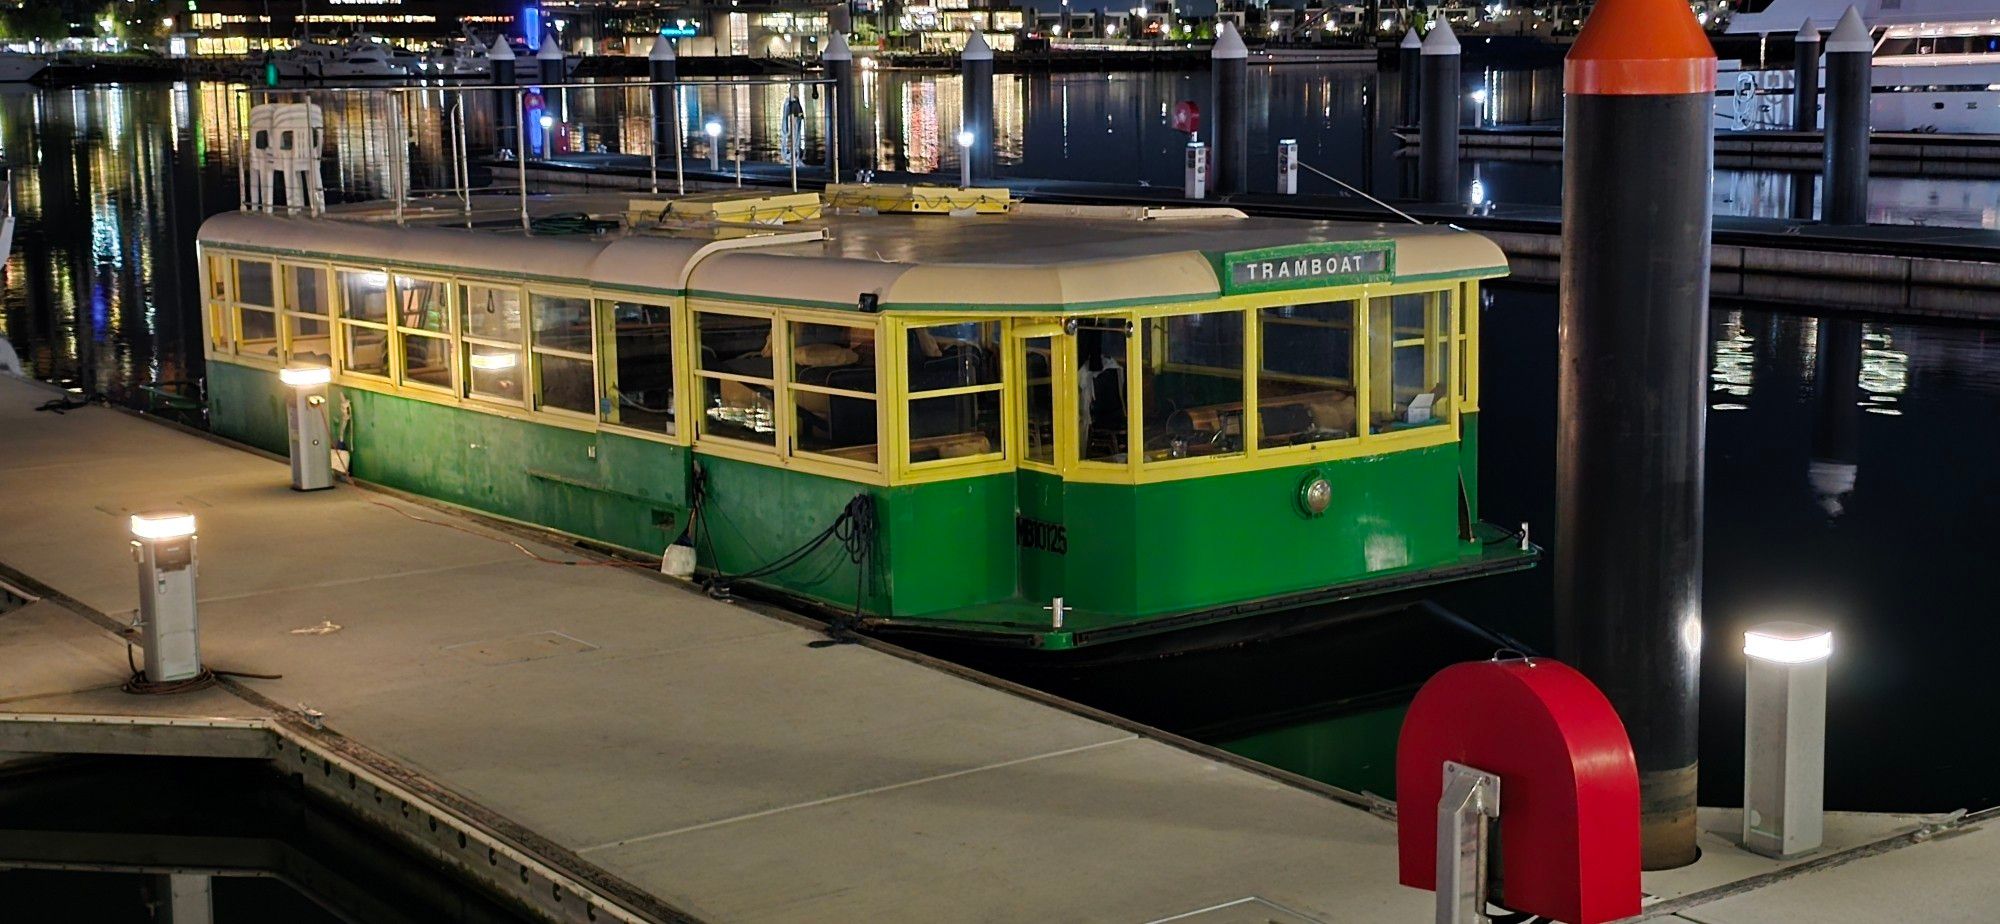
{"x":1305,"y":265}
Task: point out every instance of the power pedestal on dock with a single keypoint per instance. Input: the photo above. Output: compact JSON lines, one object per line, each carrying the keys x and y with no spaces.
{"x":1784,"y":738}
{"x":306,"y":425}
{"x":163,"y":545}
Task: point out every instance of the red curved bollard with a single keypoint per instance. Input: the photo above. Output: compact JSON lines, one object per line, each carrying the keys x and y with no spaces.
{"x":1569,"y":790}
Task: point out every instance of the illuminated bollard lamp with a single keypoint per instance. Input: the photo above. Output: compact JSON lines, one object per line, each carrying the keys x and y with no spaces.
{"x":306,"y":425}
{"x":163,"y":545}
{"x":1784,"y":738}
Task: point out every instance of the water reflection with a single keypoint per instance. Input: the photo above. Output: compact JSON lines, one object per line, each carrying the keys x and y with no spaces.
{"x":1888,"y":569}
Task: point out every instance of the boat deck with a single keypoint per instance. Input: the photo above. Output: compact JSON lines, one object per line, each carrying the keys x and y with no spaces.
{"x":689,"y":758}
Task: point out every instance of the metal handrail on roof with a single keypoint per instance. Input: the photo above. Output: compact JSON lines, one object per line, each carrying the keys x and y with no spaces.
{"x":438,"y":153}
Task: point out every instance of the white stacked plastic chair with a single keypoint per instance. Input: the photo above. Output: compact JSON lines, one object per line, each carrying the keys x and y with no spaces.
{"x":300,"y":132}
{"x":258,"y":160}
{"x":285,"y":142}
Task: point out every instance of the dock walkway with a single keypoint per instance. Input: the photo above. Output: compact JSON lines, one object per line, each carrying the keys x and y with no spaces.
{"x":687,"y":758}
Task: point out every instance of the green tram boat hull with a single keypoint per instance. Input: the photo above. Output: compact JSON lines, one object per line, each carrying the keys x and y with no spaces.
{"x":1001,"y":544}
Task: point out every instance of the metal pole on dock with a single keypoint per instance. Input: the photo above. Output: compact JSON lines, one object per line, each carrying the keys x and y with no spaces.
{"x":1849,"y":68}
{"x":501,"y":59}
{"x":663,"y":68}
{"x":1229,"y":147}
{"x":1805,"y":82}
{"x":976,"y":92}
{"x":839,"y":62}
{"x":1409,"y":60}
{"x":1638,"y":157}
{"x":1437,"y":149}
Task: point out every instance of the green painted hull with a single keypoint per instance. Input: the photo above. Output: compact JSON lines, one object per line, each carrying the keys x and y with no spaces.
{"x":981,"y":557}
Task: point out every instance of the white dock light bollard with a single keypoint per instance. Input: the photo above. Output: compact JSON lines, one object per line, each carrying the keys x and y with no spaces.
{"x":964,"y":139}
{"x":163,"y":545}
{"x":1288,"y":167}
{"x":1784,"y":737}
{"x":305,"y":422}
{"x":713,"y":129}
{"x":1195,"y":186}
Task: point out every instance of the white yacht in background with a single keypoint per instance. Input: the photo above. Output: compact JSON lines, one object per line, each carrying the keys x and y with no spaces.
{"x":20,"y":67}
{"x":464,"y":56}
{"x":363,"y":57}
{"x":1937,"y":65}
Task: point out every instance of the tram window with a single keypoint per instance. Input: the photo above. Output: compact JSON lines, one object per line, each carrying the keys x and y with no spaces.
{"x":1305,"y":389}
{"x":423,"y":304}
{"x":561,"y":322}
{"x":491,"y":313}
{"x":566,"y":383}
{"x":1192,"y":387}
{"x":490,"y":326}
{"x":1409,"y":353}
{"x":257,"y":332}
{"x":493,"y":372}
{"x":309,"y":339}
{"x":1102,"y":386}
{"x":736,"y":377}
{"x":1039,"y":411}
{"x":832,"y":390}
{"x":253,"y":283}
{"x":639,"y":392}
{"x":305,"y":289}
{"x":963,"y":361}
{"x":366,"y":350}
{"x":364,"y":295}
{"x":218,"y":278}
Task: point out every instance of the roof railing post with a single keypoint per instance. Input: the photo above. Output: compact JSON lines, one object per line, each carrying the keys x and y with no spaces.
{"x":521,"y":140}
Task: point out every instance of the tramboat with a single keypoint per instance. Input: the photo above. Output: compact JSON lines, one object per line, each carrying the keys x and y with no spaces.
{"x":920,"y":410}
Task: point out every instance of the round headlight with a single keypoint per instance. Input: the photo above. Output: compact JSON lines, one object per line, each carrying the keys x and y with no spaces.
{"x":1315,"y":494}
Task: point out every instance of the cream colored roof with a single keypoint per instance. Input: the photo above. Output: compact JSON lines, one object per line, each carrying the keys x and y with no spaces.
{"x":1025,"y":260}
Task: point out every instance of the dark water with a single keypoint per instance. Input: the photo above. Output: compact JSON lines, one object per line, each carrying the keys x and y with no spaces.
{"x":96,"y":839}
{"x":113,"y":181}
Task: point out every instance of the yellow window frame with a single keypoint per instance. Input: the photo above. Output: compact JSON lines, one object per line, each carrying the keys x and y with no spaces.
{"x":532,"y":352}
{"x":346,"y":321}
{"x":1365,"y":442}
{"x":703,"y":440}
{"x":1062,"y":397}
{"x":289,"y":312}
{"x":901,"y":469}
{"x":399,"y":333}
{"x":789,"y":405}
{"x":467,"y":341}
{"x":679,"y":324}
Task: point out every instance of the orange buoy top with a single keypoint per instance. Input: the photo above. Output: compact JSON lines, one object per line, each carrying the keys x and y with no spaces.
{"x":1640,"y":48}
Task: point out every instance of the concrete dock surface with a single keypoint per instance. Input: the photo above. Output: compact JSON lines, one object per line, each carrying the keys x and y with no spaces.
{"x":708,"y":754}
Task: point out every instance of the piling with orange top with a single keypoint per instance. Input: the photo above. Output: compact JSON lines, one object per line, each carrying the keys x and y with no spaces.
{"x":1638,"y":156}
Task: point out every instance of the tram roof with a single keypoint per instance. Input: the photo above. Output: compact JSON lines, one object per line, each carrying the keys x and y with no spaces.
{"x":1032,"y":259}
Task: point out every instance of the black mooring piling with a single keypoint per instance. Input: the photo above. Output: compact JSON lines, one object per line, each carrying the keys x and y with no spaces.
{"x":1805,"y":79}
{"x":1409,"y":61}
{"x":1849,"y":69}
{"x":663,"y":68}
{"x":975,"y":67}
{"x":1805,"y":110}
{"x":839,"y":61}
{"x":1437,"y":149}
{"x":1229,"y":145}
{"x":549,"y":61}
{"x":1638,"y":154}
{"x":500,"y":60}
